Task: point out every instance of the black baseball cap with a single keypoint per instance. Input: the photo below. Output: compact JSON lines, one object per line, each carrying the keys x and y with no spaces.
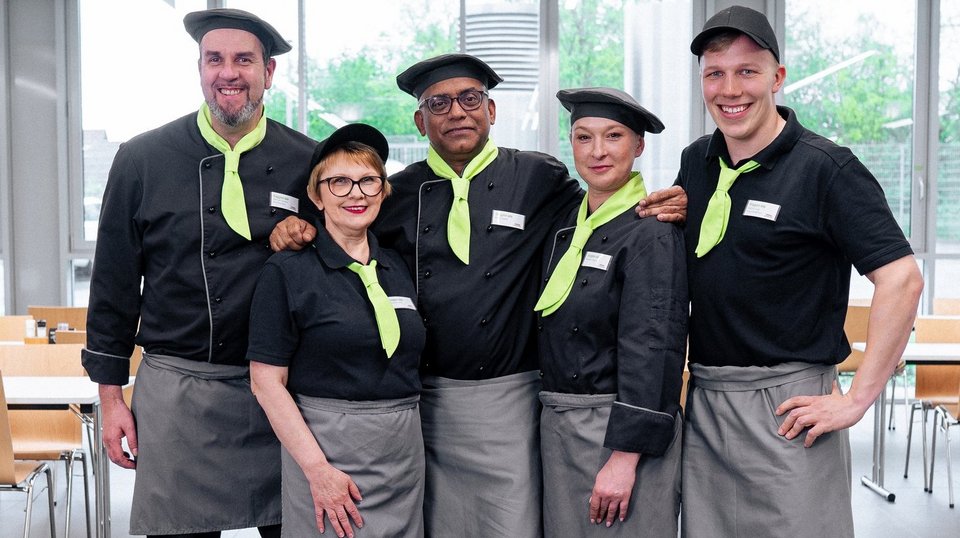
{"x":352,"y":132}
{"x":198,"y":23}
{"x":612,"y":104}
{"x":421,"y":75}
{"x":741,"y":19}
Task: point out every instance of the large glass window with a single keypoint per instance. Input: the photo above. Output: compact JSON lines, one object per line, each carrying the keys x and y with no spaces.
{"x":642,"y":47}
{"x":850,"y":76}
{"x":948,"y":167}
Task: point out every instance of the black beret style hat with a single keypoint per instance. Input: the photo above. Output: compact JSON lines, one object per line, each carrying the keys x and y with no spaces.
{"x":741,"y":19}
{"x":422,"y":75}
{"x":352,"y":132}
{"x":609,"y":103}
{"x":198,"y":23}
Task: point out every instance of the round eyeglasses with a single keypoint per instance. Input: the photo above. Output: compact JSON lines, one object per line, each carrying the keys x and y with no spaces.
{"x":341,"y":186}
{"x":440,"y":104}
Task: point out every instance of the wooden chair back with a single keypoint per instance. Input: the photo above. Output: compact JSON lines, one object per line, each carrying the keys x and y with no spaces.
{"x":72,"y":337}
{"x":855,"y":327}
{"x":939,"y":384}
{"x":7,"y":472}
{"x":74,"y":316}
{"x":44,"y":434}
{"x":12,"y":327}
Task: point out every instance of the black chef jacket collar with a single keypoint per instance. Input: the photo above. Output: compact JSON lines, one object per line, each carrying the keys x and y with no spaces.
{"x":769,"y":155}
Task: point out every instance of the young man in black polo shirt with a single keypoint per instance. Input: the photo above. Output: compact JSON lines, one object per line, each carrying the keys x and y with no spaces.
{"x":766,"y":450}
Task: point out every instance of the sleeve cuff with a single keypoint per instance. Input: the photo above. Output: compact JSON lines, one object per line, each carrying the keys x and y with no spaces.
{"x":635,"y":429}
{"x":106,"y":369}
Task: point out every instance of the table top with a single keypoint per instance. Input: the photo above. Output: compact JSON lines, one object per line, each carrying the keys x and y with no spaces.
{"x":31,"y":390}
{"x":925,"y":353}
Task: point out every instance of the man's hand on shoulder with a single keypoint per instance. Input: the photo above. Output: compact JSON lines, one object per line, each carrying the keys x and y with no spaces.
{"x":668,"y":205}
{"x":292,"y":233}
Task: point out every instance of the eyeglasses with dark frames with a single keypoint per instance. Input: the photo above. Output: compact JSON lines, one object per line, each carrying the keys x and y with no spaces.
{"x":439,"y":105}
{"x":341,"y":186}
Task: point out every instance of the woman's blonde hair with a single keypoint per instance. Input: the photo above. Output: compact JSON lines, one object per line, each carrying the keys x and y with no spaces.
{"x":357,"y":152}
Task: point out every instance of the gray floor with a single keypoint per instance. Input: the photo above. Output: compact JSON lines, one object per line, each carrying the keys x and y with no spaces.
{"x":913,"y":514}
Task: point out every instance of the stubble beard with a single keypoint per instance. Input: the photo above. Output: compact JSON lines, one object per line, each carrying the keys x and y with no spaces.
{"x":237,"y":118}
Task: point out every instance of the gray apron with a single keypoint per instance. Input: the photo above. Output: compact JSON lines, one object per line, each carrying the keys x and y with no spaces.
{"x":483,"y":456}
{"x":377,"y":443}
{"x":742,"y":479}
{"x":572,"y":429}
{"x":208,"y":458}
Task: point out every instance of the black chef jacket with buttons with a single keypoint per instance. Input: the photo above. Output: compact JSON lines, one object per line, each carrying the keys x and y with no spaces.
{"x":623,"y":328}
{"x":311,"y":313}
{"x":479,"y":317}
{"x":160,"y":221}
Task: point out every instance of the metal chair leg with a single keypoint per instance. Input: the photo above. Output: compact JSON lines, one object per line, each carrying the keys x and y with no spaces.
{"x":923,"y":434}
{"x":69,"y":461}
{"x":906,"y":463}
{"x":946,"y":437}
{"x":53,"y":518}
{"x":86,"y":495}
{"x":933,"y":449}
{"x":891,"y":425}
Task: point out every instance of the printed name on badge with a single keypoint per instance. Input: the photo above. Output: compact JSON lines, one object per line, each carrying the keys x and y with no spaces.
{"x":508,"y":219}
{"x":762,"y":210}
{"x":282,"y":201}
{"x":404,"y":303}
{"x":596,"y":260}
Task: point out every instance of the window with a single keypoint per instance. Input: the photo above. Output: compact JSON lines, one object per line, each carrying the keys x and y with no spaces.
{"x":948,"y":154}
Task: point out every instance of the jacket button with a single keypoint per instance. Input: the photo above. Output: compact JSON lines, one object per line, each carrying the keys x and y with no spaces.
{"x":219,"y":344}
{"x":583,"y":282}
{"x":269,"y":169}
{"x":575,"y":376}
{"x":427,"y":273}
{"x":212,"y":254}
{"x":429,"y":188}
{"x":273,"y":211}
{"x":541,"y":373}
{"x":603,"y":239}
{"x":481,"y":368}
{"x":576,"y":329}
{"x":218,"y":299}
{"x":490,"y":227}
{"x":490,"y":186}
{"x":488,"y":274}
{"x":483,"y":322}
{"x":563,"y":236}
{"x":426,"y":229}
{"x":212,"y":209}
{"x":207,"y":164}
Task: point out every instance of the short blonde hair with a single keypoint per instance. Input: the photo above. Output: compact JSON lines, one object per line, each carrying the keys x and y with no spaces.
{"x":357,"y":152}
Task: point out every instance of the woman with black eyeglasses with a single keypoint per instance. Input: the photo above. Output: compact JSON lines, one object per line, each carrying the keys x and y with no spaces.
{"x":335,"y":342}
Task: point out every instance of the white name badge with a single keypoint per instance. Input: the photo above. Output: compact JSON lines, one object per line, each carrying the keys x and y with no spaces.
{"x":596,"y":260}
{"x":508,"y":219}
{"x":404,"y":303}
{"x":761,"y":210}
{"x":282,"y":201}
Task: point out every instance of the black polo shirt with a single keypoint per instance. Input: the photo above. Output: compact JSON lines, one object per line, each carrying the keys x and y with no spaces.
{"x":623,"y":328}
{"x":311,"y":313}
{"x":776,"y":288}
{"x":479,"y":317}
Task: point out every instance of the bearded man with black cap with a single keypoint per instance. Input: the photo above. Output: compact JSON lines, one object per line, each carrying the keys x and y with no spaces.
{"x":612,"y":339}
{"x":186,"y":213}
{"x":769,"y":251}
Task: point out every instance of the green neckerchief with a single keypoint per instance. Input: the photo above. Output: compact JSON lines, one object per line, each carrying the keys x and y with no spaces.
{"x":458,"y":223}
{"x":387,"y":322}
{"x":232,"y":204}
{"x":561,"y":281}
{"x":715,"y":218}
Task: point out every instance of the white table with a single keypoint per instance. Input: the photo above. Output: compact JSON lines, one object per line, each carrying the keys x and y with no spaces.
{"x":915,"y":353}
{"x":59,"y":393}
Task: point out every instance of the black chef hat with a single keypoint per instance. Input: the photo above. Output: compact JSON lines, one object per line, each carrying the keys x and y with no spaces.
{"x":741,"y":19}
{"x":353,"y":132}
{"x":198,"y":23}
{"x":422,"y":75}
{"x":609,"y":103}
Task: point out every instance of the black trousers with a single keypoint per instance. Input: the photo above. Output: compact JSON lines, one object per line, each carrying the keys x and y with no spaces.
{"x":270,"y":531}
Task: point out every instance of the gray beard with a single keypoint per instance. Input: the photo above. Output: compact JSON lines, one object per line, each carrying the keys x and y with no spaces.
{"x":242,"y":116}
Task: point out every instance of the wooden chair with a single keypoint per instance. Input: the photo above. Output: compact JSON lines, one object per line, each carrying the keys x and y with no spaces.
{"x":12,"y":327}
{"x":21,"y":475}
{"x":941,"y":387}
{"x":72,"y":337}
{"x":49,"y":434}
{"x":74,"y":316}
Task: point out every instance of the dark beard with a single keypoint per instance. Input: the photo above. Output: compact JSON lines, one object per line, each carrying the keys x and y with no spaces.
{"x":236,"y":119}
